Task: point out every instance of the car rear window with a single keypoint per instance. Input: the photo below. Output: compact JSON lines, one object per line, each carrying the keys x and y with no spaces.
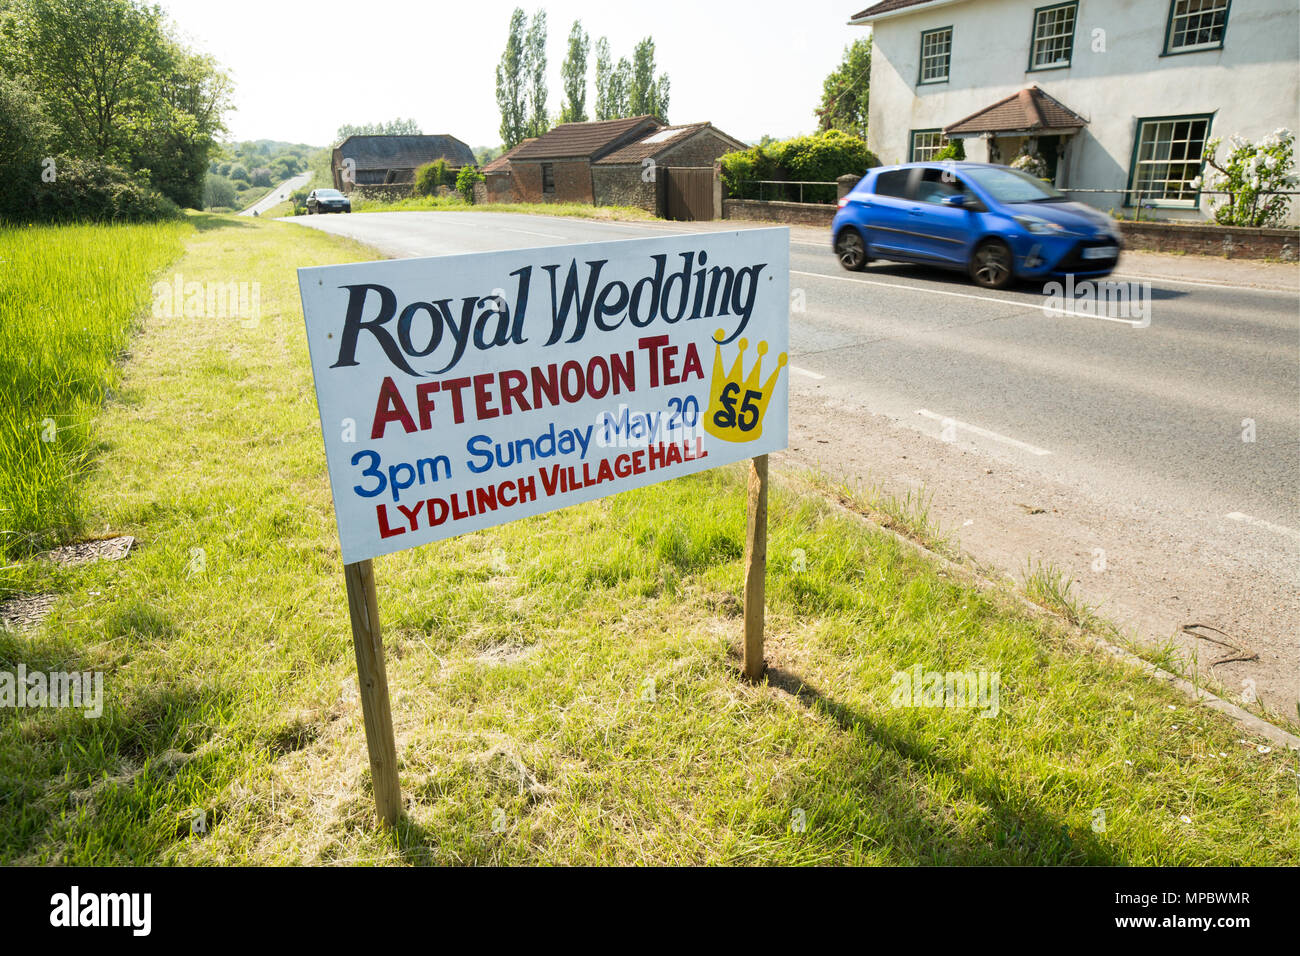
{"x":893,"y":183}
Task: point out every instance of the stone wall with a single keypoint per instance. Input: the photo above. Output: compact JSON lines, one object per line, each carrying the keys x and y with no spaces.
{"x":383,"y":193}
{"x":1233,"y":242}
{"x":808,"y":214}
{"x":622,"y":185}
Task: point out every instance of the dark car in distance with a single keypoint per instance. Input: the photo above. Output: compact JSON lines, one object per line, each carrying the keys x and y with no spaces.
{"x":327,"y":200}
{"x":993,"y":222}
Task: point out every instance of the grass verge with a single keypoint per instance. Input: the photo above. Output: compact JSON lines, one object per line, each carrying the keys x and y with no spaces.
{"x":69,"y":298}
{"x":565,"y":688}
{"x":456,"y":204}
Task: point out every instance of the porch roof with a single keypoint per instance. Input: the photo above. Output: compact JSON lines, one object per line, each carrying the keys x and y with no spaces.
{"x":1029,"y":110}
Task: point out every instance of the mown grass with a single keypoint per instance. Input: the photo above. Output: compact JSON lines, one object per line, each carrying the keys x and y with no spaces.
{"x":456,"y":204}
{"x":69,"y":297}
{"x":565,"y":689}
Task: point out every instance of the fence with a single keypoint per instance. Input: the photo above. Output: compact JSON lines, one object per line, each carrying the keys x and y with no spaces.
{"x":1140,"y":199}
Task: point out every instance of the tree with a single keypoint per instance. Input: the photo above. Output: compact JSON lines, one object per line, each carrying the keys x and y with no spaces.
{"x":394,"y":127}
{"x":620,"y":82}
{"x":646,"y":95}
{"x":845,"y":92}
{"x":537,"y":120}
{"x":574,"y":72}
{"x":510,"y":83}
{"x":1252,"y":178}
{"x":604,"y":70}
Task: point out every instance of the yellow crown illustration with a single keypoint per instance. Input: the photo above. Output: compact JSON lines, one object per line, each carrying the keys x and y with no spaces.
{"x":737,"y":403}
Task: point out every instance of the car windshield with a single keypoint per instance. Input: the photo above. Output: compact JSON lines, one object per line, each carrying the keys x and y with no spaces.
{"x":1011,"y":185}
{"x":328,"y":194}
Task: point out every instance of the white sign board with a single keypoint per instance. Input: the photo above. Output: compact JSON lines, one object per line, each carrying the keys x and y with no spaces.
{"x":460,"y":392}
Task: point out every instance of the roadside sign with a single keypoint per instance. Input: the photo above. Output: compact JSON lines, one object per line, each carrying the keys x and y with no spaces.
{"x":461,"y":392}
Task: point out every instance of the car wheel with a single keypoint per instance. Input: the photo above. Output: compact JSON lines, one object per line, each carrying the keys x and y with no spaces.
{"x":851,"y":249}
{"x":991,"y":264}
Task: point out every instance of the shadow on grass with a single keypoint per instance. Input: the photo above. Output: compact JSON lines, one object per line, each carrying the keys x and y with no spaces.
{"x":1015,"y":833}
{"x":206,"y":221}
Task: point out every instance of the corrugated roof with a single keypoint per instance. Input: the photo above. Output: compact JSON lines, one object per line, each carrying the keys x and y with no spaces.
{"x":1029,"y":109}
{"x":590,"y":140}
{"x":405,"y":152}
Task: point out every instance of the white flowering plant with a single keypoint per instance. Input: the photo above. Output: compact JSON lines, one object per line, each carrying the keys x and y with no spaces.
{"x":1031,"y":163}
{"x":1250,"y":175}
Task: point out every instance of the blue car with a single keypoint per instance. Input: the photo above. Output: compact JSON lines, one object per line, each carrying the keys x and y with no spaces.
{"x":993,"y":222}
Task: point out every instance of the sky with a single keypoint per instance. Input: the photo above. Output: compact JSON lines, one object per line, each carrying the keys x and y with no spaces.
{"x":303,"y":69}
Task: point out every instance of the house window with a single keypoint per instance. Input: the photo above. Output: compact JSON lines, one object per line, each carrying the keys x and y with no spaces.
{"x":1053,"y":36}
{"x":1196,"y":25}
{"x":548,"y":178}
{"x":936,"y":50}
{"x":925,"y":143}
{"x":1169,"y":151}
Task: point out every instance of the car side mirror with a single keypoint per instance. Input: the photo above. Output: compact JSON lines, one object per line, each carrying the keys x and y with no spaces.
{"x":957,"y":199}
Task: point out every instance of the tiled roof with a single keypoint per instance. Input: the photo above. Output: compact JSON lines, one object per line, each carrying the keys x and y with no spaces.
{"x":660,"y":140}
{"x":886,"y":6}
{"x":404,"y":152}
{"x":591,"y":140}
{"x":1029,"y":109}
{"x":502,"y":163}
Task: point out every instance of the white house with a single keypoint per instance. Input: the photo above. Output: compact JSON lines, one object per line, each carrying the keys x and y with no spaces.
{"x":1115,"y":95}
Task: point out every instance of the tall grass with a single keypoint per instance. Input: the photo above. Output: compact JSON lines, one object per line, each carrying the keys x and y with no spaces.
{"x":69,"y":296}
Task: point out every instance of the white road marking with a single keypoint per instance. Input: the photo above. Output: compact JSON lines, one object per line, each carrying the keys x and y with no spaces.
{"x":1202,"y":282}
{"x":921,"y":288}
{"x":525,"y":232}
{"x":803,"y":371}
{"x":1261,"y":523}
{"x":983,"y":432}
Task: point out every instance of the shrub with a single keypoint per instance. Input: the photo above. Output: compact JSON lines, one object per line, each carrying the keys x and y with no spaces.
{"x":1247,"y":174}
{"x":239,"y":171}
{"x":85,"y":190}
{"x":954,"y":151}
{"x":465,"y":180}
{"x":822,"y":157}
{"x":432,"y":175}
{"x":260,"y":176}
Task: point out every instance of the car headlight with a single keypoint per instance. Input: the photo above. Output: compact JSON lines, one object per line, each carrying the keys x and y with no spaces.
{"x":1041,"y":227}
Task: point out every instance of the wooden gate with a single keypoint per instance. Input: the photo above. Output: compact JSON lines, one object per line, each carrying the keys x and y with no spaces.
{"x":688,"y":192}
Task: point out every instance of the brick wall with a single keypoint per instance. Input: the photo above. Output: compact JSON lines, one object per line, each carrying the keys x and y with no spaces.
{"x":808,"y":214}
{"x":702,"y":149}
{"x":1234,"y":242}
{"x":572,"y":181}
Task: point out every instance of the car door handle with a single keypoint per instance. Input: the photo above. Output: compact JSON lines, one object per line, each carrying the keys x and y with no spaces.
{"x":915,"y":212}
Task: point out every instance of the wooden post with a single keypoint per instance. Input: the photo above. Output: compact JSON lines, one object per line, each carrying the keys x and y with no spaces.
{"x":372,"y":679}
{"x":755,"y":567}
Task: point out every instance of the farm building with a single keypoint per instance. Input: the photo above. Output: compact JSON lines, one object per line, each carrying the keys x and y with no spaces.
{"x":386,"y":160}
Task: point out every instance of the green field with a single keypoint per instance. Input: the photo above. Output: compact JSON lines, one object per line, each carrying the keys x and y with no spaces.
{"x":564,"y":689}
{"x":69,"y":299}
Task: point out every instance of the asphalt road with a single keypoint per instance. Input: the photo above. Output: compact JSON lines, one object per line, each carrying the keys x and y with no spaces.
{"x":1121,"y":432}
{"x":277,"y":195}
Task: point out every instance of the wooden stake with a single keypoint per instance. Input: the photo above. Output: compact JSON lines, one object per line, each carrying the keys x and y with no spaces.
{"x":372,"y":679}
{"x":755,"y":567}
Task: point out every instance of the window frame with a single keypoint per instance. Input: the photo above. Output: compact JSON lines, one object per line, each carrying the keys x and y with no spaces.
{"x":1166,"y":50}
{"x":1033,"y":37}
{"x":1130,"y":192}
{"x":548,"y":173}
{"x":920,"y":64}
{"x":911,"y":144}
